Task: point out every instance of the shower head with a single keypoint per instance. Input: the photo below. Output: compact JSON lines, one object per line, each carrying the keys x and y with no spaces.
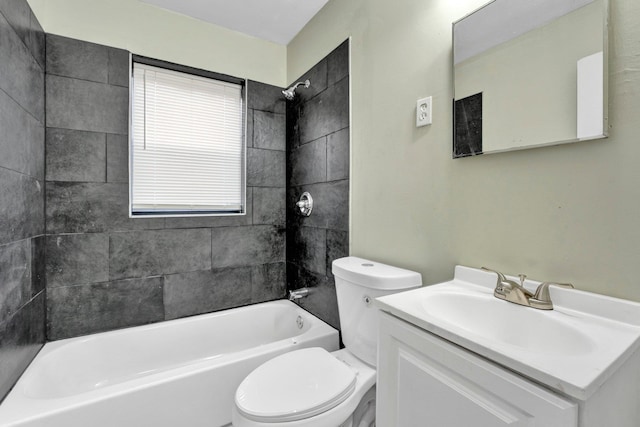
{"x":290,"y":93}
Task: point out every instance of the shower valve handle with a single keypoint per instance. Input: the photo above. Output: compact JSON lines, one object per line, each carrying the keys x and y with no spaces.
{"x":305,"y":204}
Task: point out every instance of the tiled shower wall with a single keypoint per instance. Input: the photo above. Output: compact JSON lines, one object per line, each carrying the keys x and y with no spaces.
{"x":105,"y":270}
{"x":21,"y":190}
{"x":318,"y":162}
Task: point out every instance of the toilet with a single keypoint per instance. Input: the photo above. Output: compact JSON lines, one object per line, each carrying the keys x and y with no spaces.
{"x":314,"y":388}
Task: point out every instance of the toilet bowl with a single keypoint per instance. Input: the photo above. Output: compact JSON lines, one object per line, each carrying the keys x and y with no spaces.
{"x":314,"y":388}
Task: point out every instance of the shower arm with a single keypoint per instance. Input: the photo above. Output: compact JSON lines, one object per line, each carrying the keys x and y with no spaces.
{"x":306,"y":84}
{"x":289,"y":93}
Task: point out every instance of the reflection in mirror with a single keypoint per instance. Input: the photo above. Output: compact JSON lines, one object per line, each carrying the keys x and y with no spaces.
{"x":529,"y":73}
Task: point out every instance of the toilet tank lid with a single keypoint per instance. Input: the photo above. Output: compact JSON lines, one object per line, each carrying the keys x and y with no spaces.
{"x":375,"y":275}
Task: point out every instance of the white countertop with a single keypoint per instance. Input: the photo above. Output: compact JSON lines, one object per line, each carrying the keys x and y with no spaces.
{"x":572,"y":349}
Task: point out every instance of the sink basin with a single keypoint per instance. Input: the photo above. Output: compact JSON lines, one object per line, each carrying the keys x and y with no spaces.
{"x":497,"y":320}
{"x":573,"y":348}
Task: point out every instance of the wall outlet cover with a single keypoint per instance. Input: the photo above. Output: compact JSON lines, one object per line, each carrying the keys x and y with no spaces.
{"x":423,"y":112}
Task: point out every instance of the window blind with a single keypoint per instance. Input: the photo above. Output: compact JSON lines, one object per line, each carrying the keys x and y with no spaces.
{"x":187,"y":144}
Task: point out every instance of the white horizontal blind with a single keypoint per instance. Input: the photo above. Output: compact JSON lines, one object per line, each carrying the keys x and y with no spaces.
{"x":187,"y":143}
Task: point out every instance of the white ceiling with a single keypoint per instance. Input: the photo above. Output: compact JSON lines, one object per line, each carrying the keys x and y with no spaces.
{"x":274,"y":20}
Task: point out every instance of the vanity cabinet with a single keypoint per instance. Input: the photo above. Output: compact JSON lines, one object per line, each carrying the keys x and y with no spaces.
{"x":453,"y":355}
{"x":424,"y":380}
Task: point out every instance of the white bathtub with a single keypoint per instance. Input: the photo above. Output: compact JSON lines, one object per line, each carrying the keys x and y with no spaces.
{"x":181,"y":373}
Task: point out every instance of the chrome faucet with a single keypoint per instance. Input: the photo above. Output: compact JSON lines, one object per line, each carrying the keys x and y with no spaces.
{"x":511,"y":291}
{"x":297,"y":294}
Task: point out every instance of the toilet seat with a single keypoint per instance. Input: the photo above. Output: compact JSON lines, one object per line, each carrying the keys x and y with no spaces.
{"x":295,"y":386}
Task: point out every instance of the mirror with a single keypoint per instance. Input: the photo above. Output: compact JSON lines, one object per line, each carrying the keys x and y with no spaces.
{"x":529,"y":73}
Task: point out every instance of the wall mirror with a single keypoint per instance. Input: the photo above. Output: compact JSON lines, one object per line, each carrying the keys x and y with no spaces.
{"x":529,"y":73}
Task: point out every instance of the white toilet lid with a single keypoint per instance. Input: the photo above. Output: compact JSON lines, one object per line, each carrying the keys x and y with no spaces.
{"x":294,"y":386}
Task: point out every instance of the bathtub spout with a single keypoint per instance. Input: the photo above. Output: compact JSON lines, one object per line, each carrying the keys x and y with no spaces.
{"x":297,"y":294}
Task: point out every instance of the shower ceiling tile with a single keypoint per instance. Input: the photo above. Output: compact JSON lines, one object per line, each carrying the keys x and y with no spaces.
{"x":277,"y":21}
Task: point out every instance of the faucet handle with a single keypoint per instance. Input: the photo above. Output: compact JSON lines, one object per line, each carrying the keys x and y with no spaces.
{"x":522,"y":278}
{"x":541,"y":299}
{"x":542,"y":293}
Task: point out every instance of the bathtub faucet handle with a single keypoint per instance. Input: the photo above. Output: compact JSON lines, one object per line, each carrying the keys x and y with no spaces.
{"x":296,"y":294}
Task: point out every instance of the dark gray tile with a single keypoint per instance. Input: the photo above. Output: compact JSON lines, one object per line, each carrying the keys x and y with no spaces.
{"x":98,"y":307}
{"x":467,"y":126}
{"x":243,"y":246}
{"x":38,"y":264}
{"x":119,"y":67}
{"x":21,"y":336}
{"x":77,"y":59}
{"x":264,"y":97}
{"x":117,"y":158}
{"x":249,"y":136}
{"x":15,"y":277}
{"x":326,"y":113}
{"x":321,"y":301}
{"x":269,"y":130}
{"x":215,"y":220}
{"x":17,"y":14}
{"x":21,"y":274}
{"x":37,"y":319}
{"x":269,"y":206}
{"x":338,"y":155}
{"x":337,"y":247}
{"x":77,"y":258}
{"x":293,"y":124}
{"x":83,"y":105}
{"x":147,"y":253}
{"x":37,"y":153}
{"x":308,"y":163}
{"x":294,"y":276}
{"x":74,"y":155}
{"x":293,"y":215}
{"x":92,"y":208}
{"x":35,"y":199}
{"x":197,"y":292}
{"x":330,"y":207}
{"x":21,"y":139}
{"x":268,"y":282}
{"x":20,"y":75}
{"x":317,"y":77}
{"x":37,"y":42}
{"x":208,"y":221}
{"x":338,"y":63}
{"x":308,"y":248}
{"x":22,"y":207}
{"x":266,"y":168}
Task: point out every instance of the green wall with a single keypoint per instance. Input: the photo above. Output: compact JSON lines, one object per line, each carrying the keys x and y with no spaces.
{"x":565,"y":213}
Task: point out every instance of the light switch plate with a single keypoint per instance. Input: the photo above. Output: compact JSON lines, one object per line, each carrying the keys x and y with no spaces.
{"x":423,"y":112}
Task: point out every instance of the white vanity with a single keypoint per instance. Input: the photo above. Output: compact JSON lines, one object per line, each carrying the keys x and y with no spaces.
{"x":453,"y":355}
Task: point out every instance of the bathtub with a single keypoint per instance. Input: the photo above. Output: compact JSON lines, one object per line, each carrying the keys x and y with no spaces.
{"x":180,"y":373}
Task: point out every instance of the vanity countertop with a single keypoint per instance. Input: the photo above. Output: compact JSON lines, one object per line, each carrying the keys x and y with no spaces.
{"x":573,"y":348}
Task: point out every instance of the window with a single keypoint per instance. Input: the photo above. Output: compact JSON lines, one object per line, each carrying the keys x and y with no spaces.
{"x":187,"y":143}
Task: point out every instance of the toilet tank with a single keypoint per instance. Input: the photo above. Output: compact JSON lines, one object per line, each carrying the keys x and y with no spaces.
{"x":358,"y":282}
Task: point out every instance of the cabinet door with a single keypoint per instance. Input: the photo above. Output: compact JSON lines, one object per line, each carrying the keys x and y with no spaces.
{"x":424,"y":380}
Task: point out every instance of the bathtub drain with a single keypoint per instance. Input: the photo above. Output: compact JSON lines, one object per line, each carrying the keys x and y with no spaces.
{"x":300,"y":322}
